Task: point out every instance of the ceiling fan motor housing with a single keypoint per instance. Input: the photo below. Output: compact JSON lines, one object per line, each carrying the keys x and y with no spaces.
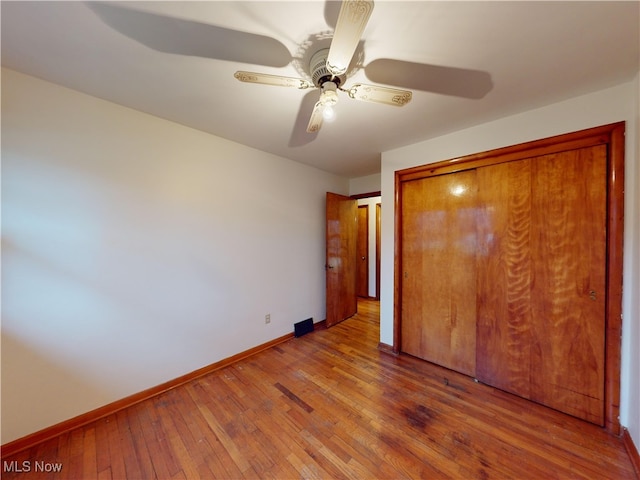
{"x":318,"y":68}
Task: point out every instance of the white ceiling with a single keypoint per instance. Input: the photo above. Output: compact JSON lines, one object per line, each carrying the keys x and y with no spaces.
{"x":176,"y":60}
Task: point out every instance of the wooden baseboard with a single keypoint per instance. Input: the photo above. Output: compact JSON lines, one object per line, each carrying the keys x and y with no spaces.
{"x":321,"y":325}
{"x":30,"y":440}
{"x":632,"y":451}
{"x":383,"y":347}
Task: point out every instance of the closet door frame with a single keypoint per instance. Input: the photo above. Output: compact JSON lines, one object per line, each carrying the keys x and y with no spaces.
{"x":612,"y":136}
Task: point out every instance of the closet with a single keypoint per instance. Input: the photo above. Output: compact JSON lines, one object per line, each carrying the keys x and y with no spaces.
{"x":508,"y":269}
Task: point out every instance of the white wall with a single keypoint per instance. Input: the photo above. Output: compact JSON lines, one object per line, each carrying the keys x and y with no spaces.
{"x":371,"y":202}
{"x":367,"y":184}
{"x":136,"y":250}
{"x":599,"y":108}
{"x":631,"y":335}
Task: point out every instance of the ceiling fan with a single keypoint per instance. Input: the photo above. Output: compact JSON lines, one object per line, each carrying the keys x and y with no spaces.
{"x":324,"y":59}
{"x":328,"y":68}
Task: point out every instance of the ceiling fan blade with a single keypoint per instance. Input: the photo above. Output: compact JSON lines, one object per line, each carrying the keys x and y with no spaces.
{"x":299,"y":135}
{"x":187,"y":37}
{"x":378,"y":94}
{"x":315,"y":122}
{"x":458,"y":82}
{"x":353,"y":18}
{"x":277,"y":80}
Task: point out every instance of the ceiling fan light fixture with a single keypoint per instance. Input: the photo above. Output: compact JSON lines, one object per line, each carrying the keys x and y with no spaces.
{"x":328,"y":113}
{"x":329,"y":95}
{"x":328,"y":98}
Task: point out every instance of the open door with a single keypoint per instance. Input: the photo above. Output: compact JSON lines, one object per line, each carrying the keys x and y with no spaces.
{"x":341,"y":258}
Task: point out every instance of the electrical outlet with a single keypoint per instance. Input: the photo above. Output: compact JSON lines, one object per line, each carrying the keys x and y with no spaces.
{"x":267,"y":318}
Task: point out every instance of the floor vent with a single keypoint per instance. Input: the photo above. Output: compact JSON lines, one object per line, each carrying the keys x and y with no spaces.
{"x":303,"y":327}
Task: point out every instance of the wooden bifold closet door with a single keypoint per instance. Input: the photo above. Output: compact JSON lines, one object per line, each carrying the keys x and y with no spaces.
{"x":541,"y":282}
{"x":503,"y":274}
{"x":439,"y":270}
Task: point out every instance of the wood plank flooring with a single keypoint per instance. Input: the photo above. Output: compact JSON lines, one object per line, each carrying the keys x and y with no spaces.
{"x":331,"y":405}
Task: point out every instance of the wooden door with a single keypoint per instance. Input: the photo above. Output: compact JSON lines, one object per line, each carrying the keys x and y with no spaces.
{"x":541,"y":316}
{"x":503,"y":352}
{"x":378,"y":249}
{"x":439,"y":270}
{"x":341,"y":231}
{"x":362,"y":252}
{"x":569,"y":244}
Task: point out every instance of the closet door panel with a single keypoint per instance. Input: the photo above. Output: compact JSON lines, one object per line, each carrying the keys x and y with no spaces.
{"x":439,"y":270}
{"x":503,"y":355}
{"x":568,"y":243}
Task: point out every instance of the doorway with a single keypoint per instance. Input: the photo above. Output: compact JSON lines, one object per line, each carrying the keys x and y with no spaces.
{"x":343,"y":257}
{"x":368,"y":246}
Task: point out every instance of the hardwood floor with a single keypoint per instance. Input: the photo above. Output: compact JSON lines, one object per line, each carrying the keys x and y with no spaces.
{"x":331,"y":405}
